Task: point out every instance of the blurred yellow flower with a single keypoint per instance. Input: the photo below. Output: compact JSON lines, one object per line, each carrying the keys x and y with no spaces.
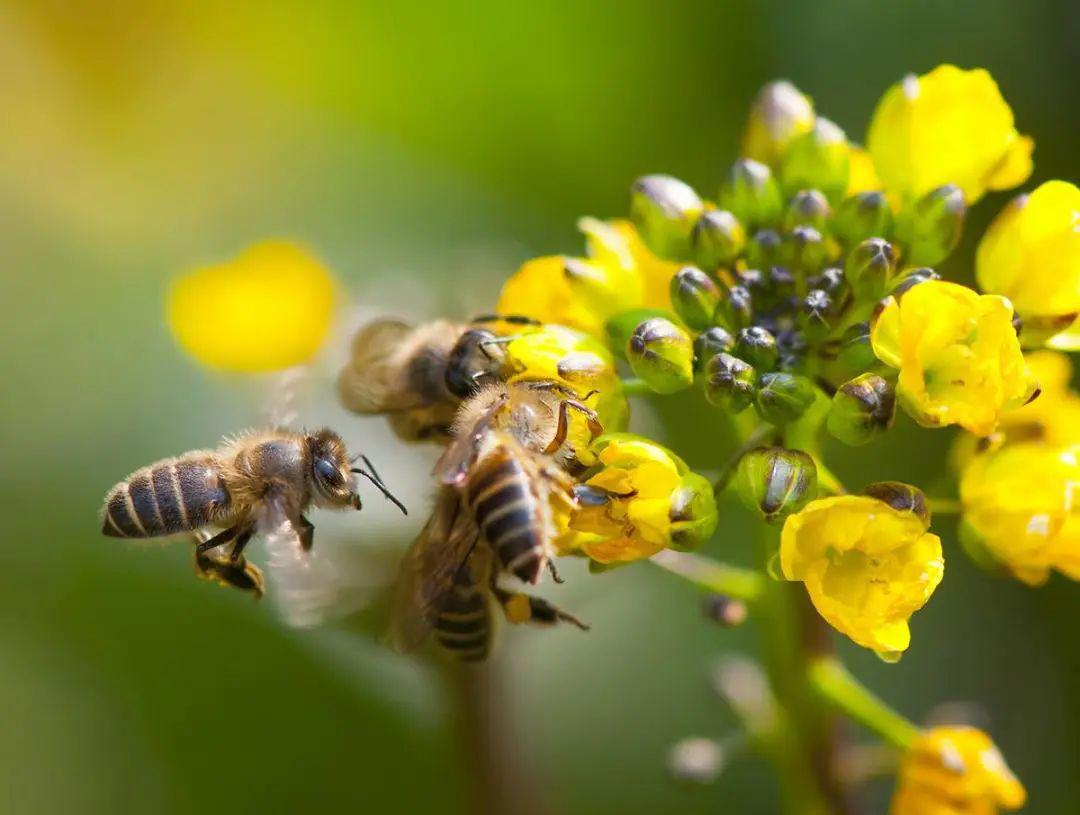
{"x":958,"y":354}
{"x":955,"y":771}
{"x":267,"y":309}
{"x":650,"y":501}
{"x":619,"y":238}
{"x":863,"y":177}
{"x":1018,"y":505}
{"x":577,"y":361}
{"x":780,"y":113}
{"x":1031,"y":252}
{"x":866,"y":565}
{"x":949,"y":126}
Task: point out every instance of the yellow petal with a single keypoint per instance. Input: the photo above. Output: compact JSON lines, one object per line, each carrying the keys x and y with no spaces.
{"x":267,"y":309}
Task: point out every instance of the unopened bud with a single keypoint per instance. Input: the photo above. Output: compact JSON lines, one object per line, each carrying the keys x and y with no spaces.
{"x":814,"y":316}
{"x":765,"y":249}
{"x":901,"y":497}
{"x":819,"y":159}
{"x":709,"y":343}
{"x":696,"y":760}
{"x":751,"y":194}
{"x":725,"y":611}
{"x":695,"y":296}
{"x":619,"y":328}
{"x":776,"y":481}
{"x":780,"y":113}
{"x":718,"y":239}
{"x":736,"y":308}
{"x":829,"y":280}
{"x":729,"y":383}
{"x":862,"y":409}
{"x":912,"y":278}
{"x":664,"y":210}
{"x":693,"y":513}
{"x":856,"y":352}
{"x":757,"y":346}
{"x":782,"y":398}
{"x":662,"y":354}
{"x":871,"y":269}
{"x":807,"y":250}
{"x":863,"y":215}
{"x":807,"y":208}
{"x":929,"y":229}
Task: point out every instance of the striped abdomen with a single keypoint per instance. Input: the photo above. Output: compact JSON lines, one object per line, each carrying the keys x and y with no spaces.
{"x":508,"y":514}
{"x":174,"y":495}
{"x":464,"y":623}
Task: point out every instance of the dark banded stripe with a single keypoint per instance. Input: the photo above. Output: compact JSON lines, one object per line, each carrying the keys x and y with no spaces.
{"x":507,"y":520}
{"x":445,"y":625}
{"x":145,"y":503}
{"x":168,"y":498}
{"x":527,"y":565}
{"x":507,"y":492}
{"x":202,"y":490}
{"x":491,"y":472}
{"x":119,"y":511}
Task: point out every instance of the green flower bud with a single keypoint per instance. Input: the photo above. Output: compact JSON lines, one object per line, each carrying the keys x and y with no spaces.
{"x":757,"y":346}
{"x":782,"y":398}
{"x":913,"y":277}
{"x":695,"y":297}
{"x":929,"y":229}
{"x":736,"y":309}
{"x":709,"y":343}
{"x":662,"y":354}
{"x":863,"y":215}
{"x":729,"y":383}
{"x":751,"y":194}
{"x":871,"y":269}
{"x":619,"y":328}
{"x":807,"y":250}
{"x":775,"y":481}
{"x":718,"y":239}
{"x":765,"y":249}
{"x":693,"y":513}
{"x":807,"y":208}
{"x":901,"y":497}
{"x":862,"y":409}
{"x":830,"y":280}
{"x":819,"y":160}
{"x":779,"y":114}
{"x":856,"y":352}
{"x":664,"y":210}
{"x":815,"y":313}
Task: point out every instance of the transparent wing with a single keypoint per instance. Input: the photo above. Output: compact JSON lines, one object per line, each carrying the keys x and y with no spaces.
{"x":428,"y":569}
{"x":455,"y":463}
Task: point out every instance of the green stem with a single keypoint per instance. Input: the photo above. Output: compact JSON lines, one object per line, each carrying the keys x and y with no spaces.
{"x":719,"y":578}
{"x":837,"y":686}
{"x":635,"y":386}
{"x":944,"y":506}
{"x":805,"y":750}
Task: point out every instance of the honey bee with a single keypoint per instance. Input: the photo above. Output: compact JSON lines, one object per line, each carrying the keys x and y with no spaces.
{"x":419,"y":375}
{"x":502,"y":477}
{"x":252,"y":483}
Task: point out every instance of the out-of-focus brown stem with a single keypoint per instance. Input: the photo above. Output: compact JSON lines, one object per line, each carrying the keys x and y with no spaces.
{"x":493,"y":762}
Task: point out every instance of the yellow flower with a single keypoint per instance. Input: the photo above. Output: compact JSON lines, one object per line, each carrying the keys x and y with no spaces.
{"x":958,"y":354}
{"x":620,"y":238}
{"x":863,"y":177}
{"x":650,"y":501}
{"x":866,"y":565}
{"x":267,"y":309}
{"x":949,"y":126}
{"x":576,"y":360}
{"x":1018,"y":505}
{"x":955,"y":771}
{"x":780,"y":113}
{"x":1031,"y":252}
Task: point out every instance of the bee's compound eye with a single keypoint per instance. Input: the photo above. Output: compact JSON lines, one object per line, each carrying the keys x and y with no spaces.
{"x":328,"y":472}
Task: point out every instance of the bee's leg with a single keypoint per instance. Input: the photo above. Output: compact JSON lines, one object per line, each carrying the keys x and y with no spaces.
{"x":513,"y":319}
{"x":554,"y":572}
{"x":562,"y":426}
{"x":220,"y":539}
{"x":305,"y":531}
{"x":240,"y":573}
{"x":239,"y":544}
{"x":525,"y":608}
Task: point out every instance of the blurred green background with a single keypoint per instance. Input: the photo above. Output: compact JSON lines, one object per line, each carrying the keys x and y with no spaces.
{"x":422,"y":151}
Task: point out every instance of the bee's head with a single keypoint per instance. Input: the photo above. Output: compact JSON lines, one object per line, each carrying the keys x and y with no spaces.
{"x":478,"y":357}
{"x":330,"y":470}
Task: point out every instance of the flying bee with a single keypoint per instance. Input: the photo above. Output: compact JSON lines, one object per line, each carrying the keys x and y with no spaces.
{"x":252,"y":483}
{"x":503,"y":478}
{"x":419,"y":375}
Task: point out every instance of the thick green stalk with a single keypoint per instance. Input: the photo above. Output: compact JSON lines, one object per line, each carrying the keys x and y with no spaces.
{"x":835,"y":684}
{"x":805,"y":750}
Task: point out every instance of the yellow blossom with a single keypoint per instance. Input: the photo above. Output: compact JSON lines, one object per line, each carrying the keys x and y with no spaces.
{"x":650,"y":501}
{"x":576,"y":360}
{"x":863,"y":177}
{"x":1019,"y":506}
{"x":1031,"y":252}
{"x":267,"y":309}
{"x":621,"y":236}
{"x":958,"y":354}
{"x":949,"y":126}
{"x":866,"y":565}
{"x":955,"y":771}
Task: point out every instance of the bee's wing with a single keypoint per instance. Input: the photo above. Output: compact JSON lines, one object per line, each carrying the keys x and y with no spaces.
{"x":429,"y":568}
{"x":457,"y":460}
{"x":369,"y":382}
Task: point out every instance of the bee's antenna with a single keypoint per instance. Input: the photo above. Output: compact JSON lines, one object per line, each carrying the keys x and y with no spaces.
{"x":374,"y":479}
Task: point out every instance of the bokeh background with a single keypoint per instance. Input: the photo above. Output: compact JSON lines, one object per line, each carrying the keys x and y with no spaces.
{"x":422,"y":150}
